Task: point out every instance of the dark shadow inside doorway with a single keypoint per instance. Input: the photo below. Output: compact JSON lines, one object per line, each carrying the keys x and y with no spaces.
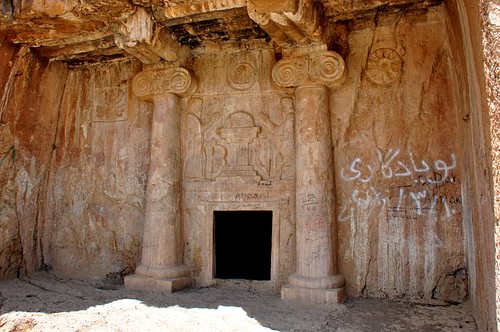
{"x":243,"y":242}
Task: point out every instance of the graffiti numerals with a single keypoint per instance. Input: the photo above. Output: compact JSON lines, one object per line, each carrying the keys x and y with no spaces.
{"x":310,"y":202}
{"x":426,"y":193}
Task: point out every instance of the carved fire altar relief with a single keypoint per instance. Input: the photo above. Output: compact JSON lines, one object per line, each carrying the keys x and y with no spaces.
{"x":254,"y":142}
{"x":236,"y":137}
{"x":237,"y":126}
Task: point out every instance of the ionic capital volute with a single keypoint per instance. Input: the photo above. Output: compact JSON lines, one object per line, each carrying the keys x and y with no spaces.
{"x":151,"y":83}
{"x":325,"y":68}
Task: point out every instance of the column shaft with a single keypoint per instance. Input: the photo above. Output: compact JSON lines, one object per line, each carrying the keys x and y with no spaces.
{"x":316,"y":278}
{"x":314,"y":186}
{"x":162,"y":265}
{"x":161,"y":254}
{"x":312,"y":74}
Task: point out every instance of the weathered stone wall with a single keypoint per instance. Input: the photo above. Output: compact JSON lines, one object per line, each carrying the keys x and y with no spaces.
{"x":466,"y":26}
{"x":29,"y":99}
{"x":398,"y":162}
{"x":73,"y":163}
{"x":98,"y":173}
{"x":490,"y":16}
{"x":10,"y":243}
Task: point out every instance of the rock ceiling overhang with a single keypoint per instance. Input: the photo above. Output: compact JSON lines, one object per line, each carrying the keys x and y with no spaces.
{"x":156,"y":30}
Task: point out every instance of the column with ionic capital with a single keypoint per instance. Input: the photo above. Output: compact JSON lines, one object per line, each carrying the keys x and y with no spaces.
{"x":162,"y":265}
{"x":312,"y":75}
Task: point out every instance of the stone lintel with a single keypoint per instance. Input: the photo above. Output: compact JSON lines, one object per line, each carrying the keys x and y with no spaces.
{"x":151,"y":83}
{"x":189,"y":8}
{"x":148,"y":41}
{"x":322,"y":68}
{"x":289,"y":22}
{"x":274,"y":6}
{"x":147,"y":3}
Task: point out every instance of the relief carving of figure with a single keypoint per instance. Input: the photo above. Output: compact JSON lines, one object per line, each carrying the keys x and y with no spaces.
{"x":281,"y":147}
{"x":194,"y":129}
{"x":215,"y":155}
{"x":193,"y":167}
{"x":261,"y":156}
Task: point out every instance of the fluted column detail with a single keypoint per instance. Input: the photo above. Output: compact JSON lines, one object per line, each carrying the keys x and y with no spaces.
{"x":316,"y":278}
{"x":162,"y":265}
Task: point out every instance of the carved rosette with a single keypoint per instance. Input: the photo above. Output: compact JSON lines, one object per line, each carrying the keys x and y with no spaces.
{"x":241,"y":76}
{"x":384,"y":66}
{"x":325,"y":68}
{"x":178,"y":80}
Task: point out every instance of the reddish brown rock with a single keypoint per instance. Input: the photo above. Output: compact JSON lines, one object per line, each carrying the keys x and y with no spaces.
{"x":366,"y":132}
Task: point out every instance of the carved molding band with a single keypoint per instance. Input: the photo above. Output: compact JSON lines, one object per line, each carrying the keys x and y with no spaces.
{"x":171,"y":80}
{"x":326,"y":68}
{"x":192,"y":7}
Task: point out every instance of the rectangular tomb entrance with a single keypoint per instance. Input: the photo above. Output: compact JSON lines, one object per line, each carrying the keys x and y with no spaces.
{"x":242,"y":244}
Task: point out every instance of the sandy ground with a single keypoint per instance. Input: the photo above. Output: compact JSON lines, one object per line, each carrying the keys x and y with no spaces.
{"x":45,"y":303}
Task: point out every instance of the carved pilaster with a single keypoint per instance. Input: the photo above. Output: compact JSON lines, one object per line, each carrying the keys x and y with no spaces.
{"x":162,"y":265}
{"x":316,"y":278}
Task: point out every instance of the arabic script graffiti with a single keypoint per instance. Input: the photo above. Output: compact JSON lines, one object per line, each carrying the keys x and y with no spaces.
{"x":391,"y":164}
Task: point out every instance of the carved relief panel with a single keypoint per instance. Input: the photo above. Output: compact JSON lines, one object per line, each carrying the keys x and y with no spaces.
{"x":238,"y":153}
{"x":244,"y":130}
{"x":110,"y":95}
{"x":255,"y":141}
{"x":242,"y":71}
{"x":277,"y":162}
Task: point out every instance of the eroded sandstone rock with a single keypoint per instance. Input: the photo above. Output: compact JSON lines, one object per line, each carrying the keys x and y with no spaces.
{"x":347,"y":121}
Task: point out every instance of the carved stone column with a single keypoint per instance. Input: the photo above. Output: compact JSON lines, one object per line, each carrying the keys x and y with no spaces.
{"x":162,"y":265}
{"x":316,"y":278}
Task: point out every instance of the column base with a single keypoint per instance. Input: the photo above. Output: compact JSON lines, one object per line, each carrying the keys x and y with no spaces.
{"x":313,"y":295}
{"x":168,"y":285}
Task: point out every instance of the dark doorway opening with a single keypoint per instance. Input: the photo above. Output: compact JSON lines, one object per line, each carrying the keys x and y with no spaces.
{"x":243,"y":241}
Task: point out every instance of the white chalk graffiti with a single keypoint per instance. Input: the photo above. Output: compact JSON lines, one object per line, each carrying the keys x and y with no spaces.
{"x":370,"y":197}
{"x":403,"y":205}
{"x":416,"y":198}
{"x":357,"y":173}
{"x":426,"y":192}
{"x":392,"y":165}
{"x":409,"y":204}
